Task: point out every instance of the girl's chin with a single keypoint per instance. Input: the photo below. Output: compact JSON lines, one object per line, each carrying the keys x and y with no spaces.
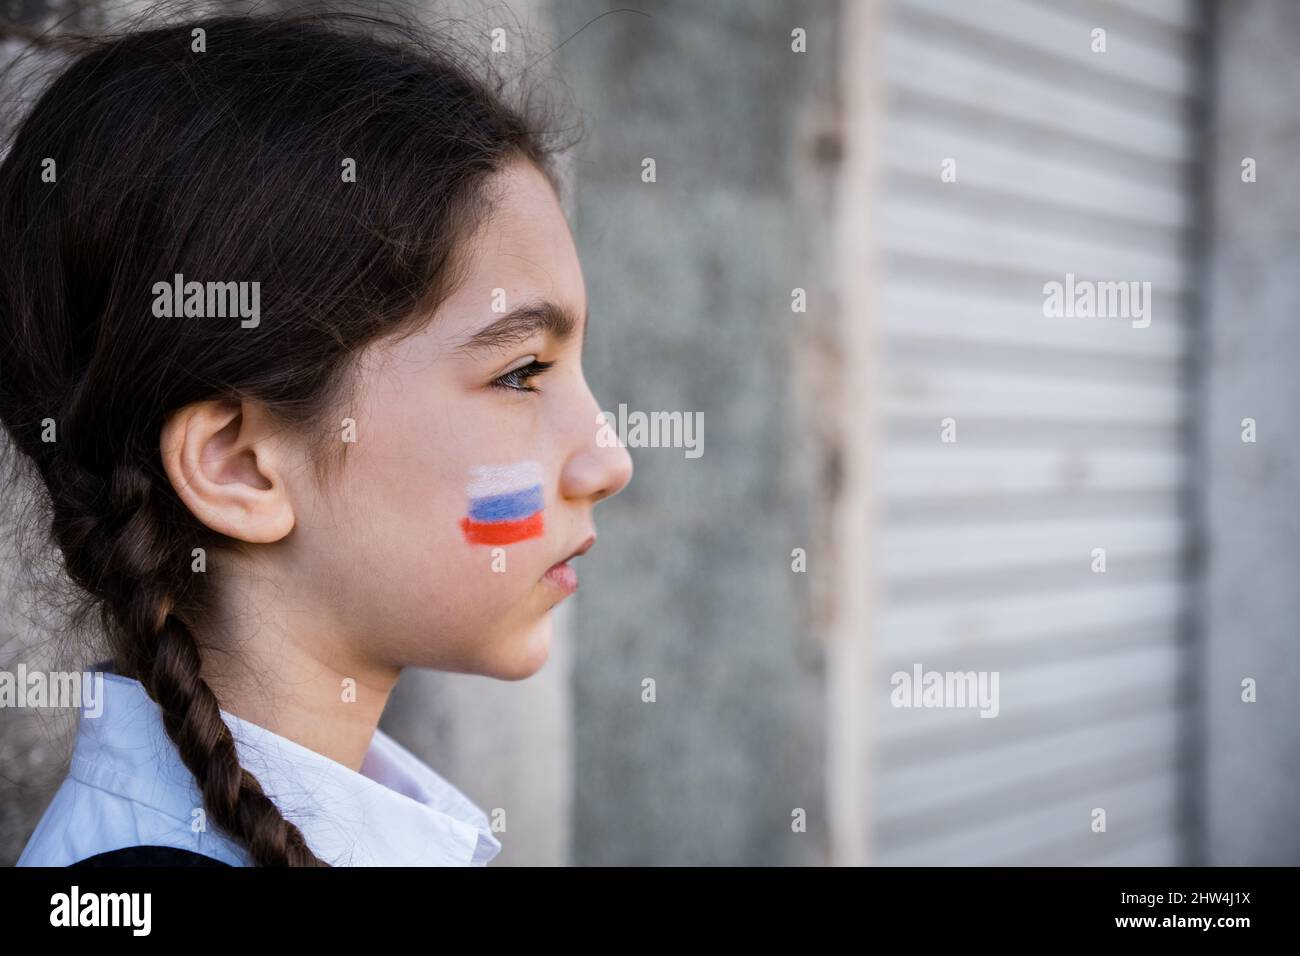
{"x":523,"y":654}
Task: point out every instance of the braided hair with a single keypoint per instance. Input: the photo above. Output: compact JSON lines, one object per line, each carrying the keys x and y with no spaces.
{"x":221,"y":165}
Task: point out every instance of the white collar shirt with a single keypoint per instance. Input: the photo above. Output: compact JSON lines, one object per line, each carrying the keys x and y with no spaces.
{"x":127,"y":786}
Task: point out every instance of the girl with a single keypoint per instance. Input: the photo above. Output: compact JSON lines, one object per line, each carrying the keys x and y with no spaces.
{"x":292,"y":325}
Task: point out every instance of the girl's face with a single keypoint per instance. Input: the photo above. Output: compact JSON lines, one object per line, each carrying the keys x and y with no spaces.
{"x":475,"y":467}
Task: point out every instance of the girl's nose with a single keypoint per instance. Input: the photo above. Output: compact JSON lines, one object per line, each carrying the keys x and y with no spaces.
{"x":596,"y":473}
{"x":597,"y":469}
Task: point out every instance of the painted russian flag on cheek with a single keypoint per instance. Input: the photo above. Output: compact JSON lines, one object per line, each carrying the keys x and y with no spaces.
{"x":505,"y":504}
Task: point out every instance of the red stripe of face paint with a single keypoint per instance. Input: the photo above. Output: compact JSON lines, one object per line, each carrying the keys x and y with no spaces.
{"x":502,"y":532}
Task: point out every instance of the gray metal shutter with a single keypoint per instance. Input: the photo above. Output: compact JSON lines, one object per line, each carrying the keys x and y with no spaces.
{"x":1070,"y":431}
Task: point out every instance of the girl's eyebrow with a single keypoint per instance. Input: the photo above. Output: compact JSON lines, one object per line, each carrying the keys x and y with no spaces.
{"x":521,"y":324}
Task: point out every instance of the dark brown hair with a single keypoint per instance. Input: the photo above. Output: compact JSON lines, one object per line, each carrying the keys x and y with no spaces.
{"x":224,"y":165}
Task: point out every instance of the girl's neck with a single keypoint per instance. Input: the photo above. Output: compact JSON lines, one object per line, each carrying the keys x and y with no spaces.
{"x":333,"y":711}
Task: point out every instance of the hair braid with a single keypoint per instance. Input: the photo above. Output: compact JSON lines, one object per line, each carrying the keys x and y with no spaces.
{"x":124,"y":556}
{"x":231,"y":794}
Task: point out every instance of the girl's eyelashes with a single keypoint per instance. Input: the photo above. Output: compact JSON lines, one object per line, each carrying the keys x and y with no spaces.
{"x":517,"y":379}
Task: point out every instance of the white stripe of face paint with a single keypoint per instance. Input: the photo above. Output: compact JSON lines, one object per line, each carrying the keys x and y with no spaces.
{"x":500,"y":479}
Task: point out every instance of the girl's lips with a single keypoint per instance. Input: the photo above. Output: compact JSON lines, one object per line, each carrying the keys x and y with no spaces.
{"x":562,"y":576}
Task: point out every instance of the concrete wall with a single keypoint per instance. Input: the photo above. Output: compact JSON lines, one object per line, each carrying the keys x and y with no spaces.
{"x":1251,"y":769}
{"x":689,"y":280}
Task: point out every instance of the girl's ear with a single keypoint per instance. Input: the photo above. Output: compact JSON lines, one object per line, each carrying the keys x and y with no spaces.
{"x":228,"y":461}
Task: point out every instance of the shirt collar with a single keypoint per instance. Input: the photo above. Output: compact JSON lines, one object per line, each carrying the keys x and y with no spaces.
{"x":397,"y":811}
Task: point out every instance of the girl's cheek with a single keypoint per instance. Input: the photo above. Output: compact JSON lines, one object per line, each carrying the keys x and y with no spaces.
{"x":504,"y":504}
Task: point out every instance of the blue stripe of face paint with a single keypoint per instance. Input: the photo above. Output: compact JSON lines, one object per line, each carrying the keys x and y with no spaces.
{"x":510,"y":506}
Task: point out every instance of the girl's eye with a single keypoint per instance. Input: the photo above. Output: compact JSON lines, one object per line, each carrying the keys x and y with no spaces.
{"x":516,"y":380}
